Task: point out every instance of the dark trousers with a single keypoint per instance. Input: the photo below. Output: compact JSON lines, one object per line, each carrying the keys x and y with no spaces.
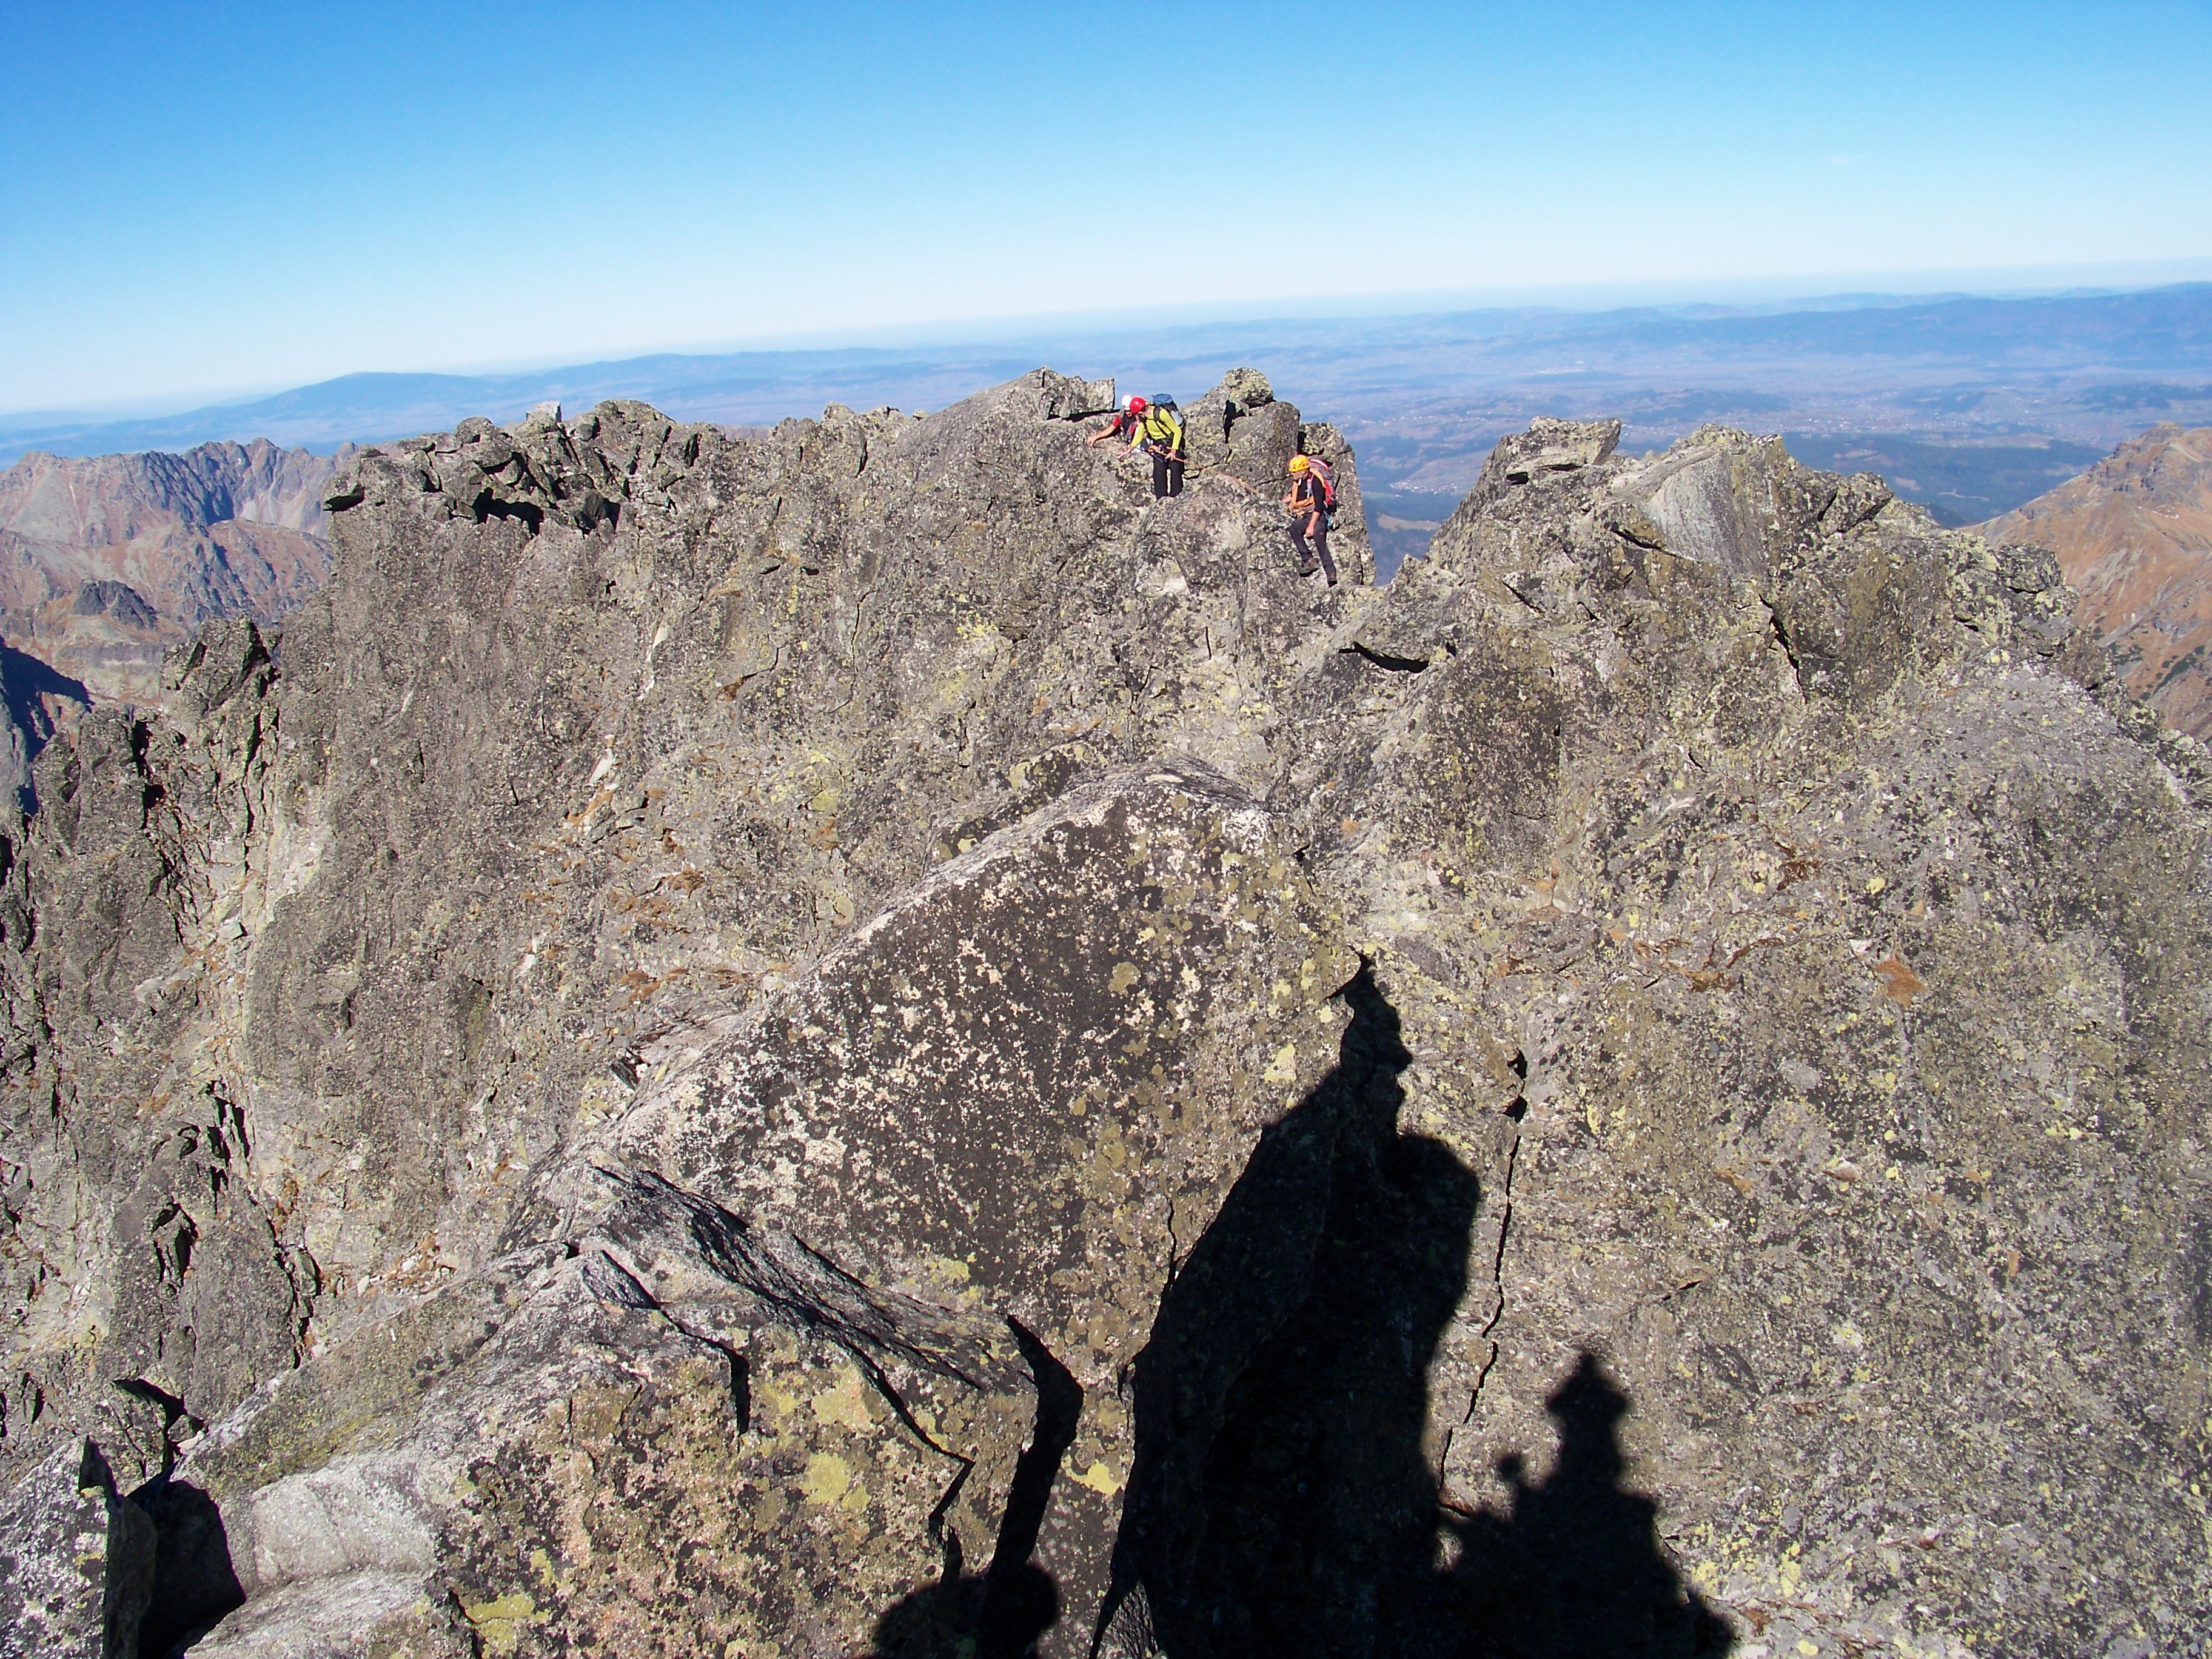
{"x":1167,"y":476}
{"x":1316,"y":528}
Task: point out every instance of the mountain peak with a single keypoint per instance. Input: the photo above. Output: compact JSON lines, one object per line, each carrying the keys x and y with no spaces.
{"x":2133,"y":538}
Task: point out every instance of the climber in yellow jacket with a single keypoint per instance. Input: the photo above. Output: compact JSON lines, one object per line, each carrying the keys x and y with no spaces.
{"x":1155,"y":429}
{"x":1159,"y":435}
{"x":1311,"y":501}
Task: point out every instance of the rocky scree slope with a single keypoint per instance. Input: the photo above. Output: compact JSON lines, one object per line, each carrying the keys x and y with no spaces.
{"x":2134,"y":539}
{"x":861,"y":1041}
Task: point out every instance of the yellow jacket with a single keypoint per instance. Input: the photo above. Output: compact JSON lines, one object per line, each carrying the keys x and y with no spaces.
{"x":1158,"y":426}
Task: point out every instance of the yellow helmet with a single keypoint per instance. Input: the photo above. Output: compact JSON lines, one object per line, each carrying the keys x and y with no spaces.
{"x":1298,"y":464}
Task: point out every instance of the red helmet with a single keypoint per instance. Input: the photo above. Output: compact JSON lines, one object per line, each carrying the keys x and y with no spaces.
{"x":1136,"y":404}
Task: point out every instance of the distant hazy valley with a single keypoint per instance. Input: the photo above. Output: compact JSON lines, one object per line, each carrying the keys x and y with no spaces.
{"x":1970,"y":407}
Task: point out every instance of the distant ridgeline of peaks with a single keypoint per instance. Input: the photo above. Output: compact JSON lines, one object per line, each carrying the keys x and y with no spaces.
{"x":106,"y":563}
{"x":861,"y":1038}
{"x":2133,"y":538}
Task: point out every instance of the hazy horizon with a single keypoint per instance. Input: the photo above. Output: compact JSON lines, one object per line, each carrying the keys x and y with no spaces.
{"x":1750,"y":295}
{"x":1970,"y":406}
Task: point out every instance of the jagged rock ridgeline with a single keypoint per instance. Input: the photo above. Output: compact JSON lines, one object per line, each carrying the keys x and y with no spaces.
{"x":106,"y":563}
{"x":2133,"y":538}
{"x":860,"y":1041}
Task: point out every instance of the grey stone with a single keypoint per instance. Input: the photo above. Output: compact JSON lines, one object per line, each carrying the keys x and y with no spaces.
{"x":1679,"y":1022}
{"x":1060,"y":397}
{"x":1246,"y":388}
{"x":352,"y":1614}
{"x":78,"y":1566}
{"x":1551,"y":446}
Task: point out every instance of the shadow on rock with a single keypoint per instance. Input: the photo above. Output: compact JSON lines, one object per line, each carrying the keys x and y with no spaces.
{"x":1279,"y":1500}
{"x":194,"y":1583}
{"x":950,"y":1619}
{"x":1001,"y":1612}
{"x":1574,"y":1566}
{"x":33,"y":690}
{"x":1282,"y":1499}
{"x":30,"y":685}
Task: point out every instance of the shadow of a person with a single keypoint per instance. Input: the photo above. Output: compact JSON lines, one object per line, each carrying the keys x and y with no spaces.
{"x":1574,"y":1566}
{"x":1280,"y":1501}
{"x":1283,"y":1499}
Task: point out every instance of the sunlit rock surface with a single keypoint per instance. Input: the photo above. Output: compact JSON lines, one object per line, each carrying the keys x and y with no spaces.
{"x":863,"y":1041}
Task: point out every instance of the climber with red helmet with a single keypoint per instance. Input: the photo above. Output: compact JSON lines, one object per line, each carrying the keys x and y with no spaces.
{"x":1156,"y":428}
{"x":1159,"y":435}
{"x":1125,"y":420}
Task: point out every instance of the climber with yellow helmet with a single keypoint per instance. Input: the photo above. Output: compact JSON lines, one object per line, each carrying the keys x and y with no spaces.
{"x":1311,"y":499}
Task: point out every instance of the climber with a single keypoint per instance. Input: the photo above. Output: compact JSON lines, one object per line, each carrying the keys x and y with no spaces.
{"x":1159,"y":435}
{"x":1126,"y":421}
{"x":1156,"y":429}
{"x":1311,"y":499}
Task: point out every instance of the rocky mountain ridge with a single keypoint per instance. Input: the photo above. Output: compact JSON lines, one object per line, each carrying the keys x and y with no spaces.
{"x":104,"y":563}
{"x":863,"y":1041}
{"x":2134,"y":539}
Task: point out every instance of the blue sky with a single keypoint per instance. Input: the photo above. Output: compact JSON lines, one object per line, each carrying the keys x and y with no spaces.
{"x":196,"y":199}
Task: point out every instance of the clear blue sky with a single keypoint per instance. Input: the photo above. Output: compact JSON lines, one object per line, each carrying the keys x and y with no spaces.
{"x":203,"y":197}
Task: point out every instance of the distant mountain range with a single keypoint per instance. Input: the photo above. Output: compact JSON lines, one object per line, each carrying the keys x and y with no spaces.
{"x":2010,"y":389}
{"x":2134,"y":536}
{"x":104,"y":563}
{"x":1976,"y":407}
{"x":1958,"y":480}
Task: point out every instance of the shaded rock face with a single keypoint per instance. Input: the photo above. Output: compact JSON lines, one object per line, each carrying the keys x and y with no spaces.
{"x":73,"y":1581}
{"x":38,"y":700}
{"x":105,"y":564}
{"x":2134,"y":539}
{"x":859,"y":1041}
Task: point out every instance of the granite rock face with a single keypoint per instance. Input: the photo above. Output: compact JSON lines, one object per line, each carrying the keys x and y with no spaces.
{"x":1118,"y":995}
{"x":78,"y":1565}
{"x":1860,"y":1084}
{"x":862,"y":1042}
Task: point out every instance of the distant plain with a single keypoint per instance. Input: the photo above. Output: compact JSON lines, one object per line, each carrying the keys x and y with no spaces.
{"x":1969,"y":405}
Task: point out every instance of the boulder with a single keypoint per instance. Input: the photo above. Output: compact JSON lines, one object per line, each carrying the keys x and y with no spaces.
{"x":1031,"y":1082}
{"x":1061,"y":398}
{"x":1550,"y":446}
